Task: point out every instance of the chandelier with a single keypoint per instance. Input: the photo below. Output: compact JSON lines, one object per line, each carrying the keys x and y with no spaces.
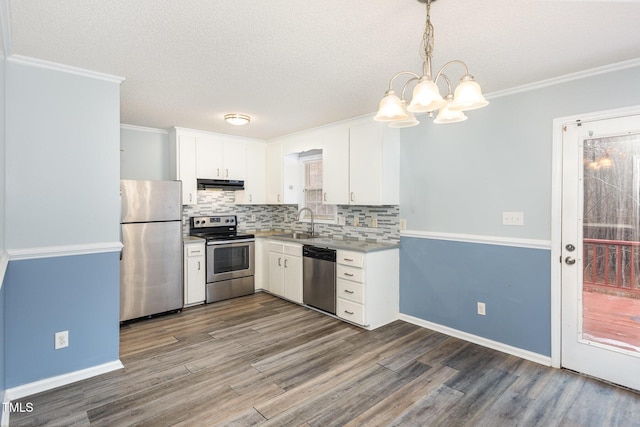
{"x":426,"y":95}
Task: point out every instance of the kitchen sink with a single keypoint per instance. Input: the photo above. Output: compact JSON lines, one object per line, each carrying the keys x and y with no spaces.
{"x":295,"y":235}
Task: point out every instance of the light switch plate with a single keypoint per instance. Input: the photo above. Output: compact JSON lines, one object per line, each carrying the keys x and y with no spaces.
{"x":513,"y":218}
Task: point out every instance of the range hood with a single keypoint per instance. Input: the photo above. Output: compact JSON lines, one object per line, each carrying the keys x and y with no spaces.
{"x":220,"y":184}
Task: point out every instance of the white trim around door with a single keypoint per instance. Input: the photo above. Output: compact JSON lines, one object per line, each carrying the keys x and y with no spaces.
{"x":556,"y":218}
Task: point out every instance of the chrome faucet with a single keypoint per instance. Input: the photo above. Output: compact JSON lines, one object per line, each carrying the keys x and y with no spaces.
{"x":311,"y":212}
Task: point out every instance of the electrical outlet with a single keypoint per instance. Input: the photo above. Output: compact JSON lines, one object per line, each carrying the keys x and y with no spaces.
{"x":356,"y":221}
{"x":482,"y":309}
{"x":512,"y":218}
{"x":61,"y":340}
{"x":253,"y":218}
{"x":341,"y":220}
{"x":374,"y":222}
{"x":403,"y":224}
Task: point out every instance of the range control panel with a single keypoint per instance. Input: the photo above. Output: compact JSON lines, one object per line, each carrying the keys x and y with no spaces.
{"x":213,"y":221}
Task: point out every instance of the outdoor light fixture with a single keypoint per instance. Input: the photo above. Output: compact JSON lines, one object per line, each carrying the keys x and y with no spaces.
{"x":237,"y":119}
{"x":426,"y":95}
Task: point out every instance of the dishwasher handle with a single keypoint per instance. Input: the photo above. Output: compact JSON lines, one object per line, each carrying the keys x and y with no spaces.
{"x":315,"y":252}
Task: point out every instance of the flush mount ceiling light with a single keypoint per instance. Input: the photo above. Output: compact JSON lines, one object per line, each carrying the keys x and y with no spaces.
{"x":237,"y":119}
{"x":426,"y":95}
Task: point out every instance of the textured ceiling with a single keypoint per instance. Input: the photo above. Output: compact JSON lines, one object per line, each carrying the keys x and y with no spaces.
{"x":297,"y":64}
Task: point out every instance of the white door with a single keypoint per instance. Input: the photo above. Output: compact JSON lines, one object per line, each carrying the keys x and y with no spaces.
{"x":601,"y":249}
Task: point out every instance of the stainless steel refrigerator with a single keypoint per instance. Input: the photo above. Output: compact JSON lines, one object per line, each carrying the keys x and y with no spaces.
{"x":151,"y":260}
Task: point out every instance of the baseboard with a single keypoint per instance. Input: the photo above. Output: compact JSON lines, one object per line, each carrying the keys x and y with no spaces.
{"x":50,"y":383}
{"x":514,"y":351}
{"x":4,"y":420}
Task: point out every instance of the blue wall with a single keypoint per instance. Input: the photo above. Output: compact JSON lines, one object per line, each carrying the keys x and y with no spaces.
{"x":2,"y":341}
{"x":443,"y":280}
{"x":49,"y":295}
{"x":2,"y":214}
{"x":457,"y":179}
{"x":62,"y":197}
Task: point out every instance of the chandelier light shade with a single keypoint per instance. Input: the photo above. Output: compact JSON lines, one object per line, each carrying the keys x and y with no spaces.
{"x":390,"y":109}
{"x":405,"y":123}
{"x":448,"y":114}
{"x":426,"y":97}
{"x":237,"y":119}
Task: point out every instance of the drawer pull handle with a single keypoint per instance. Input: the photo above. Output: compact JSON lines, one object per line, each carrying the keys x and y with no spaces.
{"x":348,"y":259}
{"x":348,"y":274}
{"x":349,"y":312}
{"x":348,"y":291}
{"x":195,"y":252}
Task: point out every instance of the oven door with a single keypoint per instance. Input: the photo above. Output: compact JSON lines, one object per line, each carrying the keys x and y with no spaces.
{"x":230,"y":260}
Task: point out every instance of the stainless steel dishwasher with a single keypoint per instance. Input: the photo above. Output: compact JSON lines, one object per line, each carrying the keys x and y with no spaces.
{"x":319,"y":278}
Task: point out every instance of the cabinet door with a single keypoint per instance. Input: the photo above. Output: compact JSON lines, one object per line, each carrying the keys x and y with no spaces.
{"x":235,"y":158}
{"x":186,"y":148}
{"x":293,"y":279}
{"x":335,"y":163}
{"x":195,"y":280}
{"x":254,"y":185}
{"x":209,"y":158}
{"x":365,"y":164}
{"x":276,"y":273}
{"x":274,"y":174}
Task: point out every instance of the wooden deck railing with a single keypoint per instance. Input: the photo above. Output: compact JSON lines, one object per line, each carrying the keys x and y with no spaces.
{"x":612,"y":266}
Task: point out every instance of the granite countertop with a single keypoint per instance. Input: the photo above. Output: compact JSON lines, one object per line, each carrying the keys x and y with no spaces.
{"x":332,"y":243}
{"x":191,"y":239}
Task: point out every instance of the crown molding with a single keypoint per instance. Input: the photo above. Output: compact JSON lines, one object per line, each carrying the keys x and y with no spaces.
{"x":40,"y":63}
{"x":143,"y":129}
{"x":566,"y":78}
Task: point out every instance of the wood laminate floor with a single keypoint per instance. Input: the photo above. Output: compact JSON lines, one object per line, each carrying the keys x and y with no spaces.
{"x":259,"y":360}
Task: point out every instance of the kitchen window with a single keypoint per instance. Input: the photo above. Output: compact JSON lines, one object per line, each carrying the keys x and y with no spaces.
{"x":313,"y":194}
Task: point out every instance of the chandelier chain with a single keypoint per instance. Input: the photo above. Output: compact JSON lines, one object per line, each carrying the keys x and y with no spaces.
{"x":426,"y":50}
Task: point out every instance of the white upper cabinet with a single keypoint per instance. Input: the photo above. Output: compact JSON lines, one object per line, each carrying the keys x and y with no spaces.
{"x":374,"y":165}
{"x":361,"y":164}
{"x":182,"y":164}
{"x":335,"y":160}
{"x":274,"y":185}
{"x":220,"y":159}
{"x":235,"y":160}
{"x":254,"y":192}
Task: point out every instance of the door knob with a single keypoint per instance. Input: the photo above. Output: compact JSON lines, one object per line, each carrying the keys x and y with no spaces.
{"x":569,"y":260}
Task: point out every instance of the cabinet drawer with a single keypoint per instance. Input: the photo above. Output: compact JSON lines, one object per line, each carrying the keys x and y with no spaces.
{"x":349,"y":273}
{"x":354,"y":259}
{"x":350,"y":311}
{"x":275,"y":247}
{"x":351,"y":291}
{"x":295,"y":250}
{"x":195,"y":250}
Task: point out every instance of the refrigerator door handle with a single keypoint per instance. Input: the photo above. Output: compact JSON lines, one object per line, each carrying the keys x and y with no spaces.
{"x":121,"y":242}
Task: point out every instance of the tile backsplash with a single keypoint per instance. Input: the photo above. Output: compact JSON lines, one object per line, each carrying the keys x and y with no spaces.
{"x":282,"y":217}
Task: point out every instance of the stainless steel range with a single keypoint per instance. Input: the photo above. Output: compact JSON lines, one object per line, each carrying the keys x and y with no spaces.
{"x":230,"y":256}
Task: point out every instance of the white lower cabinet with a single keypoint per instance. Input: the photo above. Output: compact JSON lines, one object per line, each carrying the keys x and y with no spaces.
{"x":368,"y":287}
{"x":194,"y":272}
{"x":261,"y":275}
{"x":285,"y":270}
